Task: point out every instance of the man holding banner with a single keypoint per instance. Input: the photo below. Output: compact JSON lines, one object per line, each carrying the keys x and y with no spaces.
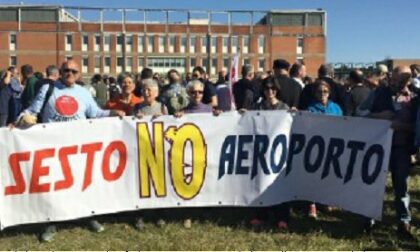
{"x":65,"y":102}
{"x":397,"y":104}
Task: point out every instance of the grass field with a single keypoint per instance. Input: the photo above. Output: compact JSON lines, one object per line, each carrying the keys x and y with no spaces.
{"x":227,"y":229}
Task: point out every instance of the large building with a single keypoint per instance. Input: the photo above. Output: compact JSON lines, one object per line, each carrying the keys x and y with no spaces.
{"x":114,"y":40}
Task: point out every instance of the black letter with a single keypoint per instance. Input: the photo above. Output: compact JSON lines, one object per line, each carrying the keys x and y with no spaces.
{"x":374,"y":149}
{"x":280,"y":139}
{"x":316,"y":140}
{"x":227,"y":156}
{"x":355,"y":147}
{"x":334,"y":151}
{"x":242,"y":154}
{"x":260,"y":148}
{"x":297,"y":142}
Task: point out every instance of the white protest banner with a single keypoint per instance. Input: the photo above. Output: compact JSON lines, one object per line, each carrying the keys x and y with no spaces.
{"x":64,"y":171}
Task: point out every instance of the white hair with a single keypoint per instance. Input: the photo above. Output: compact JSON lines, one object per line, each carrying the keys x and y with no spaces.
{"x":193,"y":83}
{"x":151,"y":83}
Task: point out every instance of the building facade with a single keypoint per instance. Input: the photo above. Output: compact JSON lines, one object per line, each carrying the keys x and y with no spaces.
{"x":129,"y":39}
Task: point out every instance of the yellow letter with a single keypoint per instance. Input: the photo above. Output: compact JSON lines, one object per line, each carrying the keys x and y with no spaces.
{"x":179,"y":137}
{"x":151,"y":160}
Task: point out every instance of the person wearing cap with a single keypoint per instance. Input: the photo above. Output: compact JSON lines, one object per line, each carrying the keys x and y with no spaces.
{"x":290,"y":89}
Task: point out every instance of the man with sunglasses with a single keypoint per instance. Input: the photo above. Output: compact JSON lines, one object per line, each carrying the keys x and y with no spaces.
{"x":398,"y":104}
{"x":67,"y":102}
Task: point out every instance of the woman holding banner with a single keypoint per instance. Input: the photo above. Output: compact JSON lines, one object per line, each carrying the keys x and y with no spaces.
{"x":322,"y":105}
{"x":269,"y":101}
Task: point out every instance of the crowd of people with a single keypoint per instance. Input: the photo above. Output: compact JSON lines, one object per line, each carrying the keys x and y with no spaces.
{"x":59,"y":94}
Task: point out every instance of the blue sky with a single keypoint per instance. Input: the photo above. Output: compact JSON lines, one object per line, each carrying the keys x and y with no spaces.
{"x":358,"y":30}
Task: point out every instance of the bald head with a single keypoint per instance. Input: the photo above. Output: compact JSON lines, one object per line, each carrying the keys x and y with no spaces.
{"x":401,"y":77}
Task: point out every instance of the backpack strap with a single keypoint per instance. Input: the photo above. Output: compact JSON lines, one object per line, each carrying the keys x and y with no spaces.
{"x":47,"y":97}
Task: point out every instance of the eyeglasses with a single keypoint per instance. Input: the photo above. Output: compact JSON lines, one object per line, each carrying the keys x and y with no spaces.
{"x":196,"y":92}
{"x":69,"y":70}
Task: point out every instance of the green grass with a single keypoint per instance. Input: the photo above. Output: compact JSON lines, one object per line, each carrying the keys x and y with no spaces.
{"x":226,"y":229}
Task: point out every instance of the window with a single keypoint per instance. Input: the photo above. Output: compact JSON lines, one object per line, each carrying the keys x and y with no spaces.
{"x":107,"y":64}
{"x":193,"y":63}
{"x":140,"y":64}
{"x":120,"y":41}
{"x":213,"y":67}
{"x":234,"y":48}
{"x":97,"y":64}
{"x":204,"y":44}
{"x":226,"y":63}
{"x":161,"y":44}
{"x":85,"y":65}
{"x":97,"y":43}
{"x":163,"y":65}
{"x":261,"y":64}
{"x":205,"y":64}
{"x":12,"y":45}
{"x":13,"y":60}
{"x":150,"y":44}
{"x":299,"y":45}
{"x":107,"y":42}
{"x":245,"y":44}
{"x":246,"y":61}
{"x":225,"y":44}
{"x":85,"y":42}
{"x":192,"y":44}
{"x":129,"y":65}
{"x":171,"y":43}
{"x":68,"y":42}
{"x":128,"y":43}
{"x":140,"y":44}
{"x":183,"y":44}
{"x":120,"y":64}
{"x":299,"y":59}
{"x":261,"y":44}
{"x":213,"y":44}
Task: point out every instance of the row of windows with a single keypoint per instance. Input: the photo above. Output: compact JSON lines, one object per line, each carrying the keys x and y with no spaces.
{"x":159,"y":64}
{"x":208,"y":44}
{"x":205,"y":46}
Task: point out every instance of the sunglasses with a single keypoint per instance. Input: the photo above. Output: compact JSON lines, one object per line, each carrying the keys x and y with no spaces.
{"x":195,"y":92}
{"x":69,"y":70}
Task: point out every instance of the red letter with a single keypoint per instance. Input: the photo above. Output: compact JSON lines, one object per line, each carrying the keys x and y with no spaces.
{"x":38,"y":171}
{"x":90,"y":150}
{"x":65,"y":167}
{"x":106,"y":171}
{"x":14,"y":162}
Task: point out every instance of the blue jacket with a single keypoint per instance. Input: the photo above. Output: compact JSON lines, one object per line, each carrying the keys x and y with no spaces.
{"x":331,"y":109}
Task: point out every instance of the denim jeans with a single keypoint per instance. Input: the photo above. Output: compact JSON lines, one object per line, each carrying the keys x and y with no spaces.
{"x":400,"y":164}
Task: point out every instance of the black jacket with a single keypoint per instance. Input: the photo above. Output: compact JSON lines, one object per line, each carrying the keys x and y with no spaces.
{"x":246,"y":94}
